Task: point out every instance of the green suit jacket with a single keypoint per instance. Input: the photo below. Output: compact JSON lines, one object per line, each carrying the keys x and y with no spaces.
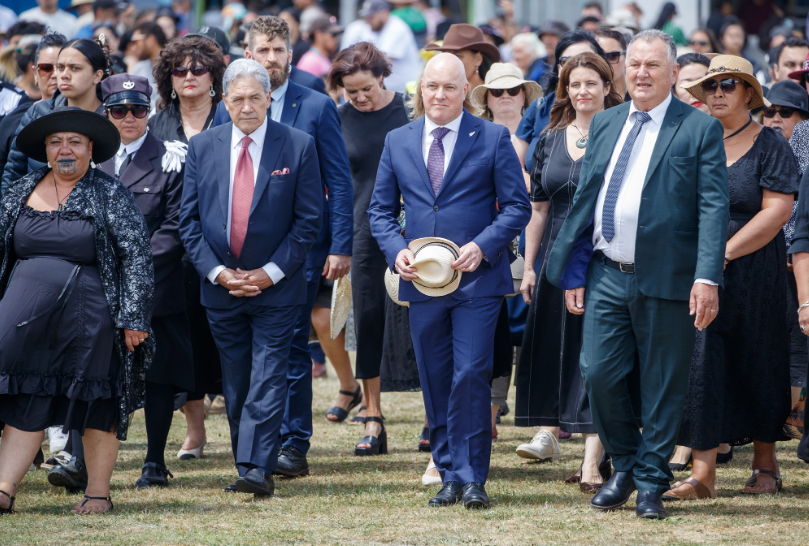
{"x":684,"y":211}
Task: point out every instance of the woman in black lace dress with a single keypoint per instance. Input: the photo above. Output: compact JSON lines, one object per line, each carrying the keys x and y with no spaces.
{"x":739,"y":389}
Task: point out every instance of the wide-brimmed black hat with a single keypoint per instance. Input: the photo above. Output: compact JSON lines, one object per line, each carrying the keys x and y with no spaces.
{"x":70,"y":119}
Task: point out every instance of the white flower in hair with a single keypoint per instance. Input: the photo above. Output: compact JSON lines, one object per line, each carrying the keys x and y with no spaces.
{"x":174,"y":157}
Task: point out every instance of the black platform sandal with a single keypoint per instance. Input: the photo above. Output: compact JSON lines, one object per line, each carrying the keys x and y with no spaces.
{"x":357,"y":420}
{"x":378,"y":444}
{"x":10,"y":509}
{"x":341,"y":413}
{"x":89,"y":498}
{"x":424,"y":440}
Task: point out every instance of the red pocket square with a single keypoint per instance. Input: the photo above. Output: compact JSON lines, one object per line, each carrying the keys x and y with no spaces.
{"x":285,"y":170}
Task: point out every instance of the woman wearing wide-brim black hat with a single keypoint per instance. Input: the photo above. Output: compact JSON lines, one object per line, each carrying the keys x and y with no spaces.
{"x":469,"y":45}
{"x":77,"y":284}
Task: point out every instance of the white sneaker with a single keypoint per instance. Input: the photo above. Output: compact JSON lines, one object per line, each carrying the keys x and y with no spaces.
{"x":57,"y":439}
{"x":544,"y":447}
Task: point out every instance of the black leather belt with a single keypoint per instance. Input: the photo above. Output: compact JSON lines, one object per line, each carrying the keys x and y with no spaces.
{"x":623,"y":267}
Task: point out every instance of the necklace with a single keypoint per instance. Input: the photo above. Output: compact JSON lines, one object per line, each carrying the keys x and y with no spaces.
{"x":745,"y":126}
{"x":59,"y":202}
{"x":582,"y":142}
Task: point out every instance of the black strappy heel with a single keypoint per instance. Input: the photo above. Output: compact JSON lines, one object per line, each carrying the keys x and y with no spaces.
{"x":378,"y":444}
{"x":341,"y":413}
{"x":10,"y":509}
{"x":88,"y":498}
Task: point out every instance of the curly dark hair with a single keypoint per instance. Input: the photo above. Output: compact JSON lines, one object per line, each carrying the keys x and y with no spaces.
{"x":203,"y":51}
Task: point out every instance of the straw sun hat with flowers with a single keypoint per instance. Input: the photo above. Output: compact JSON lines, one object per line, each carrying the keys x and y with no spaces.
{"x":504,"y":76}
{"x":730,"y":66}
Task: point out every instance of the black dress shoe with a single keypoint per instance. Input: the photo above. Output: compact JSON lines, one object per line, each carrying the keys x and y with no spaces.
{"x":450,"y":493}
{"x":153,"y":475}
{"x":650,"y":505}
{"x":474,"y":495}
{"x":615,"y":492}
{"x":291,"y":462}
{"x":230,"y":488}
{"x":72,"y":476}
{"x":257,"y":482}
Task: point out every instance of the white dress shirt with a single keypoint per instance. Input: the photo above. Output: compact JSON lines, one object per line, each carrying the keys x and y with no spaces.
{"x":254,"y":149}
{"x":127,"y":149}
{"x":277,"y":105}
{"x":449,"y":139}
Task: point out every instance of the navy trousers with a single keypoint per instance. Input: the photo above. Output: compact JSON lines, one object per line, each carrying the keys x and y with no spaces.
{"x":620,"y":323}
{"x":254,"y":343}
{"x":454,"y":345}
{"x":296,"y":428}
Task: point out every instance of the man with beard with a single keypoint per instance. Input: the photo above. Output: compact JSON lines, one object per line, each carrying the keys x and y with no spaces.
{"x":330,"y":257}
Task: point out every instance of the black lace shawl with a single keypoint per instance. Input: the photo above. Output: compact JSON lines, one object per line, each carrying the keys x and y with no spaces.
{"x":124,"y":265}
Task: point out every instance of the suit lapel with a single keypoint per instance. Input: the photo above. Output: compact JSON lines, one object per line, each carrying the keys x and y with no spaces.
{"x":671,"y":122}
{"x":108,"y":167}
{"x":222,"y":162}
{"x":414,"y":146}
{"x":273,"y":144}
{"x":467,"y":134}
{"x":292,"y":105}
{"x":141,"y":164}
{"x":606,"y":145}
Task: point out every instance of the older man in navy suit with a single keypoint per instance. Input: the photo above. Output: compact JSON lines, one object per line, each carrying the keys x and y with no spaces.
{"x":460,"y":180}
{"x":330,"y":257}
{"x":251,"y":211}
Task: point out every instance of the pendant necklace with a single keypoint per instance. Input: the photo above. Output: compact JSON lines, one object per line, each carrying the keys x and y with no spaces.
{"x":582,"y":142}
{"x":59,"y":202}
{"x":745,"y":126}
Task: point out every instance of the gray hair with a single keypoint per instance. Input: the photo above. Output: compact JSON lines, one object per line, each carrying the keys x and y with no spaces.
{"x":531,"y":40}
{"x":246,"y":68}
{"x":649,"y":36}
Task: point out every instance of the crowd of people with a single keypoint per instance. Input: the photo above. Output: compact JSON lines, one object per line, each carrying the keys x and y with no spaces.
{"x":599,"y":206}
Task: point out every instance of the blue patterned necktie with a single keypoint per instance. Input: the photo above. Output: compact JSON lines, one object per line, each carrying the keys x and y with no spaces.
{"x":614,"y":187}
{"x":435,"y":158}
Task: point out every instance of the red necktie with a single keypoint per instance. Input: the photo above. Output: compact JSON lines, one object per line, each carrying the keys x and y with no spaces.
{"x":243,"y":187}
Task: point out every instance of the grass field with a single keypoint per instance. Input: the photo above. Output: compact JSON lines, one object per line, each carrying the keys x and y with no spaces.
{"x":380,"y":500}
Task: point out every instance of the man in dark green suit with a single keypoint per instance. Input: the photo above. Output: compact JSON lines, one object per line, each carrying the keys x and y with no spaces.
{"x":640,"y":251}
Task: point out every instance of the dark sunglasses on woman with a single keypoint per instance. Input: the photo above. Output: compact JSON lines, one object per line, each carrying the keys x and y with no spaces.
{"x":513,"y":92}
{"x":614,"y":56}
{"x":784,"y":111}
{"x":120,"y":111}
{"x":182,"y":71}
{"x":45,"y":68}
{"x":728,"y":85}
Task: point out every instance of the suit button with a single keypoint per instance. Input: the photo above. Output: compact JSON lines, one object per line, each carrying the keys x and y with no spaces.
{"x":229,"y":254}
{"x":435,"y":207}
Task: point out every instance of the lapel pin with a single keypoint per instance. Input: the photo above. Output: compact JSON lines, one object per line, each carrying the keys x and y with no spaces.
{"x":472,"y":133}
{"x":294,"y":104}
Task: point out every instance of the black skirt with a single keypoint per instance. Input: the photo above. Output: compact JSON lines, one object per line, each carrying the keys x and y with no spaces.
{"x":173,"y":362}
{"x":207,"y":367}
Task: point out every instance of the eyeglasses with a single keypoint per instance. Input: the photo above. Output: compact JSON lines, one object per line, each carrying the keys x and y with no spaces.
{"x":728,"y":86}
{"x":614,"y":56}
{"x":182,"y":71}
{"x":701,"y":43}
{"x":513,"y":92}
{"x":120,"y":111}
{"x":45,"y":68}
{"x":784,"y":111}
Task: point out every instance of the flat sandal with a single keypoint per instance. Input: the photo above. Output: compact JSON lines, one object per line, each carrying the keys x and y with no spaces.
{"x":701,"y":491}
{"x":88,"y":498}
{"x":754,"y":480}
{"x":10,"y":508}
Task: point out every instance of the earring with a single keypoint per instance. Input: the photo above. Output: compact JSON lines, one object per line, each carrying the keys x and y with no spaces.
{"x":212,"y":92}
{"x":49,"y":165}
{"x":173,"y":94}
{"x":93,"y":164}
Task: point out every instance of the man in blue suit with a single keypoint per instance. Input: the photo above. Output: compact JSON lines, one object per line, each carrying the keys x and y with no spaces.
{"x":454,"y":171}
{"x":251,"y":211}
{"x":640,"y":250}
{"x":330,"y":257}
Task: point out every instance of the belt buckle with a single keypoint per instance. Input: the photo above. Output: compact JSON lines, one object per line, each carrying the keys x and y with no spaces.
{"x":625,"y":267}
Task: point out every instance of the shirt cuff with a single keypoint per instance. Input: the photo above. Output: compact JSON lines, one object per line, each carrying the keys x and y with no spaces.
{"x":705,"y":281}
{"x":215,"y":273}
{"x":274,"y":272}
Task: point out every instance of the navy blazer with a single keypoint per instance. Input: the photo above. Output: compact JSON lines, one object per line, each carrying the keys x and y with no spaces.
{"x":316,"y":114}
{"x":483,"y":173}
{"x":284,"y":218}
{"x":158,"y":195}
{"x":305,"y":79}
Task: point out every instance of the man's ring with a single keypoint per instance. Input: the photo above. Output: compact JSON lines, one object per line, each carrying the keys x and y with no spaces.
{"x":713,"y":310}
{"x":803,"y":328}
{"x":143,"y":339}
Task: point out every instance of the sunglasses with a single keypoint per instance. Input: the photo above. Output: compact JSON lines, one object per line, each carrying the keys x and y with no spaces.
{"x":513,"y":92}
{"x":784,"y":111}
{"x":120,"y":111}
{"x":45,"y":68}
{"x":701,"y":43}
{"x":182,"y":71}
{"x":728,"y":86}
{"x":614,"y":56}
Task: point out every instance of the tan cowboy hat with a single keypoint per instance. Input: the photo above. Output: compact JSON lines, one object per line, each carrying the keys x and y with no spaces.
{"x":505,"y":76}
{"x":461,"y":36}
{"x":340,"y":305}
{"x":433,"y":265}
{"x":730,"y":65}
{"x":392,"y":286}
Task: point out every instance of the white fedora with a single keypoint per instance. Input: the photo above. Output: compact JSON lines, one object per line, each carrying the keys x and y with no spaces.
{"x":433,"y":264}
{"x":392,"y":286}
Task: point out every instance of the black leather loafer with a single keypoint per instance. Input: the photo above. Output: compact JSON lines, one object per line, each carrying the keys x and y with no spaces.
{"x":230,"y":488}
{"x":72,"y":476}
{"x":449,"y":494}
{"x":650,"y":505}
{"x":615,"y":492}
{"x":474,"y":496}
{"x":153,"y":475}
{"x":255,"y":481}
{"x":291,"y":462}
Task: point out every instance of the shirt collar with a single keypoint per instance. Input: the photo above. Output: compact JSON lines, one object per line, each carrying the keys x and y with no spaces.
{"x":658,"y":113}
{"x":257,"y":136}
{"x":453,"y":125}
{"x":133,"y":146}
{"x":278,"y":94}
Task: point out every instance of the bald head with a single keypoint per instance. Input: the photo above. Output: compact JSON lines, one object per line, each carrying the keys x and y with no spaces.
{"x":444,"y":88}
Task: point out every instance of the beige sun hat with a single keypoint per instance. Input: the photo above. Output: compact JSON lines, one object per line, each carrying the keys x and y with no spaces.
{"x":433,"y":264}
{"x":340,"y":305}
{"x":392,"y":286}
{"x":730,"y":65}
{"x":505,"y":76}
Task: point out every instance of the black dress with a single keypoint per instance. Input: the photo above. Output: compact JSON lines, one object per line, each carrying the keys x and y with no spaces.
{"x":550,"y":388}
{"x":57,"y":358}
{"x":384,"y":346}
{"x":739,"y":388}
